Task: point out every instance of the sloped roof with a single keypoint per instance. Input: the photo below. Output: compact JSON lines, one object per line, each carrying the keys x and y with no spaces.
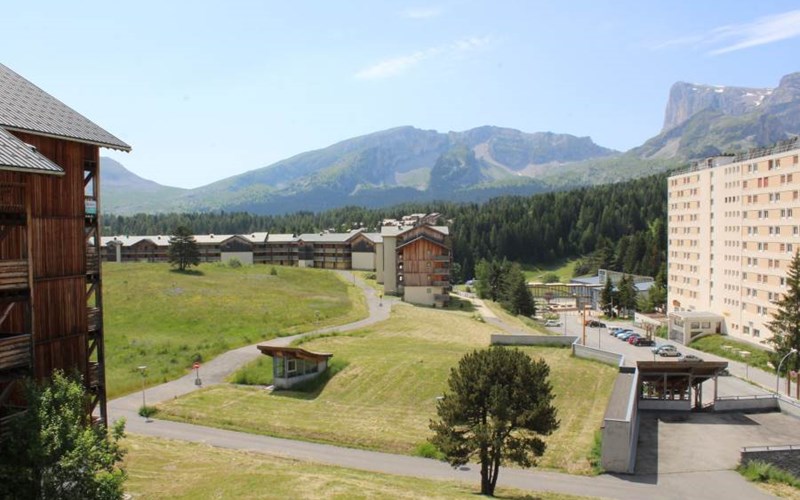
{"x":206,"y":239}
{"x":326,"y":237}
{"x":27,"y":108}
{"x":126,"y":241}
{"x":260,"y":237}
{"x":281,"y":238}
{"x":16,"y":155}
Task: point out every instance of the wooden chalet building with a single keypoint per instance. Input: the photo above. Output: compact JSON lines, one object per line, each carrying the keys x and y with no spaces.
{"x":51,"y":303}
{"x":414,"y":262}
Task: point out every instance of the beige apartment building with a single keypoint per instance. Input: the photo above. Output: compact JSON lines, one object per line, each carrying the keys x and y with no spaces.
{"x":734,"y":225}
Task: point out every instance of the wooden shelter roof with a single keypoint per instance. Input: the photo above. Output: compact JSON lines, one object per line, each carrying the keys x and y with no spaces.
{"x":697,"y":369}
{"x":293,"y":352}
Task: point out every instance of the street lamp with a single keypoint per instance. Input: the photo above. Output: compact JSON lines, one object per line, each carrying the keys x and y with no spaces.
{"x":143,"y":371}
{"x":778,"y":374}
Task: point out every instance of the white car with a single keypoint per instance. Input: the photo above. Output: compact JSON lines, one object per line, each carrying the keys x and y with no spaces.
{"x":552,"y":322}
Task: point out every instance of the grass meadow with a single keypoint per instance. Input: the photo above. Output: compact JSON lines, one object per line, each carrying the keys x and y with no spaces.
{"x":166,"y":320}
{"x":160,"y":468}
{"x":386,"y":395}
{"x":564,"y":269}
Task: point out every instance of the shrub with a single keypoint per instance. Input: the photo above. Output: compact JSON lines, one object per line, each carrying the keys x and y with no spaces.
{"x":427,"y":449}
{"x":234,"y":263}
{"x":762,"y":472}
{"x":147,"y":411}
{"x":273,"y":271}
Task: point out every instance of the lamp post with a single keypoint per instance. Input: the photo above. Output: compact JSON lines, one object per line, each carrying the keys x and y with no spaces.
{"x":778,"y":374}
{"x":143,"y":371}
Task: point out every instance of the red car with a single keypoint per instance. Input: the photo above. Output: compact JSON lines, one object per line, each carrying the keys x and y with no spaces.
{"x":633,"y":338}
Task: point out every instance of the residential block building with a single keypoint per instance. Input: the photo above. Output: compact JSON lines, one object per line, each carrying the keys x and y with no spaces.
{"x":51,"y":304}
{"x":734,"y":226}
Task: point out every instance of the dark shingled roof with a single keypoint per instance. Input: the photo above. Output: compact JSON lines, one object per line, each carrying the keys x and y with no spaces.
{"x":16,"y":155}
{"x":26,"y":107}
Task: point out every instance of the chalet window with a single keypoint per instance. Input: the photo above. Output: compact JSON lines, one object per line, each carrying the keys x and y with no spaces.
{"x":291,"y":365}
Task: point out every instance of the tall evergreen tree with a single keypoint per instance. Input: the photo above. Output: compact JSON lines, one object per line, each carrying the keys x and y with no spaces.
{"x":497,"y":409}
{"x":183,"y":249}
{"x":517,"y":297}
{"x":607,"y":298}
{"x":785,"y":324}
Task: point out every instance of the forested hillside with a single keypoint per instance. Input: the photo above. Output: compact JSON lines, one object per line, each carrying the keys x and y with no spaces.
{"x":619,"y":226}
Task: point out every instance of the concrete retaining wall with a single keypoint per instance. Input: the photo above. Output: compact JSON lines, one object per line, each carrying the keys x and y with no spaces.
{"x":668,"y":405}
{"x":783,"y":457}
{"x":745,"y":403}
{"x":609,"y":358}
{"x":620,"y":435}
{"x":546,"y":340}
{"x":789,"y":406}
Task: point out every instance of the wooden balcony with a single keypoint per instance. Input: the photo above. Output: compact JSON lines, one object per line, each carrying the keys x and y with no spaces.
{"x":92,"y":260}
{"x":440,"y":283}
{"x":94,"y":374}
{"x":13,"y":275}
{"x":93,"y":319}
{"x":441,"y":258}
{"x":15,"y":352}
{"x":6,"y":418}
{"x":12,"y":202}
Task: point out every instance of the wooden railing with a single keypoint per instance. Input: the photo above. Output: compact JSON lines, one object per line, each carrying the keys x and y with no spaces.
{"x":94,"y":374}
{"x":12,"y":198}
{"x":93,"y":319}
{"x":441,"y":258}
{"x":5,"y":422}
{"x":15,"y":352}
{"x":13,"y":275}
{"x":92,"y":260}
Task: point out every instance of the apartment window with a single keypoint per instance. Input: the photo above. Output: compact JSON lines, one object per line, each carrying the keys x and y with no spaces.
{"x":756,"y":332}
{"x":746,"y":330}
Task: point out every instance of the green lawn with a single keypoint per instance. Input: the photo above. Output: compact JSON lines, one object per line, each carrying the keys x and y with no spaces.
{"x":563,"y":269}
{"x":160,"y":468}
{"x":526,"y":325}
{"x":165,"y":320}
{"x":386,"y":395}
{"x":758,"y":357}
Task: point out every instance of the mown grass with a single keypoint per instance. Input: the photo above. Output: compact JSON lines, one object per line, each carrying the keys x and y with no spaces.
{"x":385,"y":397}
{"x":758,"y":356}
{"x":160,"y":468}
{"x":524,"y":324}
{"x":563,"y":269}
{"x":166,"y":320}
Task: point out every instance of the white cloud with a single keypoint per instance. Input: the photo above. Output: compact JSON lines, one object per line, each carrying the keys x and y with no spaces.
{"x":398,"y":65}
{"x":422,"y":12}
{"x":733,"y":37}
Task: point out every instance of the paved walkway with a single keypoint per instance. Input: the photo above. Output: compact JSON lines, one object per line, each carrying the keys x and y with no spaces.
{"x":709,"y":484}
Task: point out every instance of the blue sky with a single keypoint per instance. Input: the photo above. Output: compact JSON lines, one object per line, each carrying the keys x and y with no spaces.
{"x":204,"y":90}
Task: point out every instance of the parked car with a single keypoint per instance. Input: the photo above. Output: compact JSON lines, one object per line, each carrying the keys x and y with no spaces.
{"x":641,"y":341}
{"x":625,"y":335}
{"x":666,"y":350}
{"x":633,"y":338}
{"x":692,"y":358}
{"x":623,"y":332}
{"x":592,"y":323}
{"x":552,"y":322}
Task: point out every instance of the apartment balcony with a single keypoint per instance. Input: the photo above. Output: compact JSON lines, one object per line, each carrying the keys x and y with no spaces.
{"x":13,"y":276}
{"x":12,"y":203}
{"x":15,"y":351}
{"x":441,"y":271}
{"x":441,"y":258}
{"x":92,"y":260}
{"x":440,"y":283}
{"x":94,"y":374}
{"x":93,"y":319}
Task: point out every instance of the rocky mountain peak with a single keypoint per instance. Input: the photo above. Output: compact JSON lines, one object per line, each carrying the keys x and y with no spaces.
{"x":687,"y":99}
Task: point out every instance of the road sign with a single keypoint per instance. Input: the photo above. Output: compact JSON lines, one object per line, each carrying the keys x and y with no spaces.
{"x":196,"y":365}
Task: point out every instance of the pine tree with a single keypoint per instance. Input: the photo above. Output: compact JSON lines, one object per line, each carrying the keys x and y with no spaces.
{"x":498,"y":408}
{"x":607,"y":298}
{"x":785,"y":325}
{"x":183,"y":249}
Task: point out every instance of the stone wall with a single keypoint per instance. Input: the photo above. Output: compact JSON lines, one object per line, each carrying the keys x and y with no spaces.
{"x":783,"y":457}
